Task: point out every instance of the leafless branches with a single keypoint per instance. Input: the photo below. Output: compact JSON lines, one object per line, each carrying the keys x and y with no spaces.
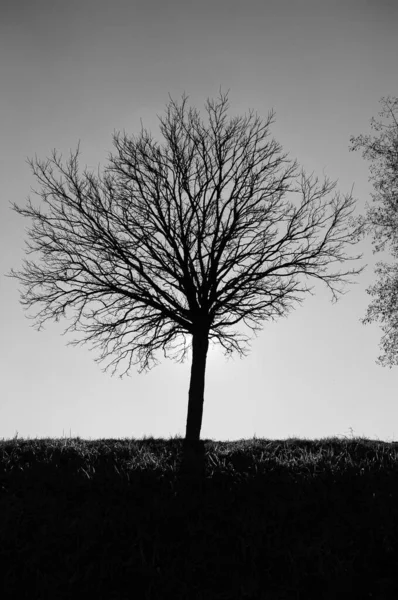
{"x":192,"y":233}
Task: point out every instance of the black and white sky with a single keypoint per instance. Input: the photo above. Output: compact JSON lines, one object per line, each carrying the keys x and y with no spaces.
{"x":79,"y":70}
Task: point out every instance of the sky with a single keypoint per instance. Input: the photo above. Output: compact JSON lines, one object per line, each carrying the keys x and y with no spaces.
{"x":78,"y":71}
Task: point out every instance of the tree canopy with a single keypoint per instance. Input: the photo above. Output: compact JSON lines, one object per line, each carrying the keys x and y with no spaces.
{"x":381,"y":221}
{"x":185,"y":237}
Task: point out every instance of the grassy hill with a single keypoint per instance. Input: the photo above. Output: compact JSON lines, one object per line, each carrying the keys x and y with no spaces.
{"x":121,"y":519}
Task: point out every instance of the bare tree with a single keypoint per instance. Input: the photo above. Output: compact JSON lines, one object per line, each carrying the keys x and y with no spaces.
{"x":381,"y":220}
{"x":187,"y":237}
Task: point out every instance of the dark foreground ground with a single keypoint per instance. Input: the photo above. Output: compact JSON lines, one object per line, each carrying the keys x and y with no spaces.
{"x":121,"y":519}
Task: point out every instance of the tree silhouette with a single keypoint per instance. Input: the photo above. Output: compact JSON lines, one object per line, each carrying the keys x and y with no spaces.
{"x":381,"y":220}
{"x":184,"y":238}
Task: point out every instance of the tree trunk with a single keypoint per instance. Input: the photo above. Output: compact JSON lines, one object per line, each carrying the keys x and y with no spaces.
{"x":200,"y":345}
